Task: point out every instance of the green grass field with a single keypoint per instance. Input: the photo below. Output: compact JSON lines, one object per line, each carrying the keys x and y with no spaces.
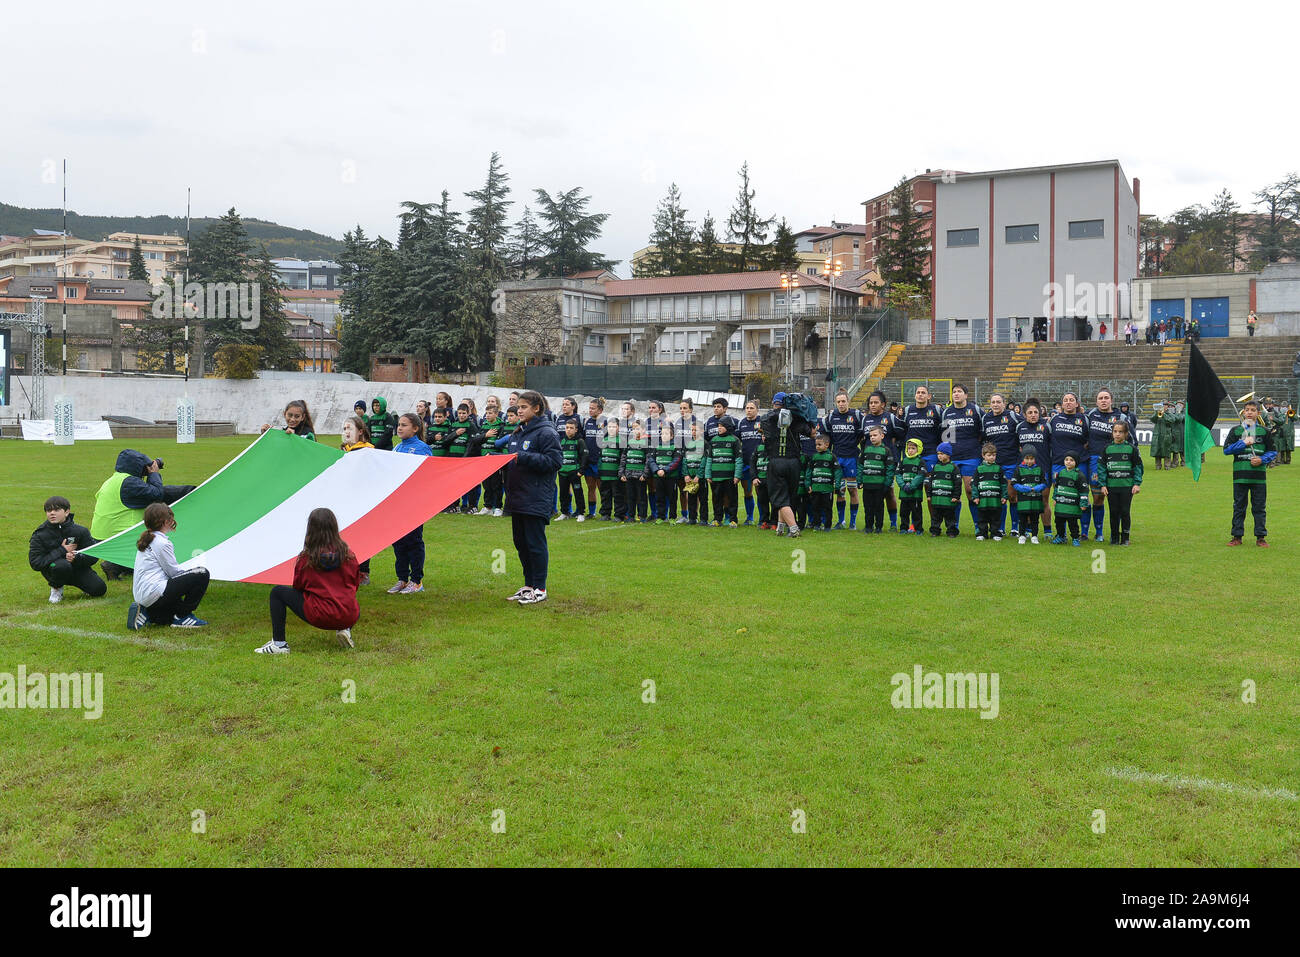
{"x":1119,"y":691}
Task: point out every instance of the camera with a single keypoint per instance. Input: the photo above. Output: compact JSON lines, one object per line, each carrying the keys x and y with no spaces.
{"x":159,"y":463}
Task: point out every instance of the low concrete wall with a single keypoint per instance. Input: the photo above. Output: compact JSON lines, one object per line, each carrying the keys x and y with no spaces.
{"x":247,"y":402}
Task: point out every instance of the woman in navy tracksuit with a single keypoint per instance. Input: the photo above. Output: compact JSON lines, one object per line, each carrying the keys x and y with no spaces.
{"x":530,"y":492}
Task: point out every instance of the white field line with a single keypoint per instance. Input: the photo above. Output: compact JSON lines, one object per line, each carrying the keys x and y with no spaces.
{"x":17,"y":621}
{"x":608,"y":528}
{"x":1181,"y":782}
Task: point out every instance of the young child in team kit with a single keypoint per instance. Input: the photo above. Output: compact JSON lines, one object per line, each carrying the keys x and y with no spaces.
{"x":1253,"y":451}
{"x":439,"y":436}
{"x":632,"y":474}
{"x":667,"y":469}
{"x":760,"y":487}
{"x":164,"y":594}
{"x":822,"y":475}
{"x":725,"y":466}
{"x":495,"y":444}
{"x":573,"y":447}
{"x":613,"y":500}
{"x":1068,"y":498}
{"x":910,"y":476}
{"x":990,"y":487}
{"x":695,"y":480}
{"x":1119,"y":472}
{"x":945,"y":487}
{"x":875,"y":476}
{"x":1029,"y":483}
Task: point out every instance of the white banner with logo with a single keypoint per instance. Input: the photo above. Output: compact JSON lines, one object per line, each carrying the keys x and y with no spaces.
{"x":42,"y":430}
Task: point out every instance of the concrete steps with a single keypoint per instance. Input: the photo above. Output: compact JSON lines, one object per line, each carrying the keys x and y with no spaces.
{"x":879,"y":374}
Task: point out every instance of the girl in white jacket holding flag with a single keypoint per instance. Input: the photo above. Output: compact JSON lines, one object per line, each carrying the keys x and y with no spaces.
{"x":164,"y":594}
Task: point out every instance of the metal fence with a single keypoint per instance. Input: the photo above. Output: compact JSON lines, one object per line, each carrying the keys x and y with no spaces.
{"x":632,"y":381}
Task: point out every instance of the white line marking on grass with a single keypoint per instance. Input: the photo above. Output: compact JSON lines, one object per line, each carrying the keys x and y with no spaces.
{"x":1180,"y":782}
{"x":610,"y":528}
{"x":127,"y":639}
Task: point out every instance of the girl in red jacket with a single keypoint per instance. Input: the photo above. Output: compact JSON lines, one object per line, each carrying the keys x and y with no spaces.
{"x":324,"y":591}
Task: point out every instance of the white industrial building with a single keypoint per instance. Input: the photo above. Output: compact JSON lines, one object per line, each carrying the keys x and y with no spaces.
{"x":1052,"y":243}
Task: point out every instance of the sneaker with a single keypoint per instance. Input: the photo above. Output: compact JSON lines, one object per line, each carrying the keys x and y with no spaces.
{"x":397,"y":589}
{"x":412,"y":588}
{"x":683,"y":520}
{"x":1261,"y":543}
{"x":1021,"y":539}
{"x":1057,"y":540}
{"x":517,"y":596}
{"x":1075,"y":543}
{"x":364,"y":580}
{"x":484,"y":511}
{"x":1123,"y":539}
{"x":562,"y":517}
{"x":783,"y":529}
{"x":188,"y":621}
{"x":581,"y":518}
{"x":794,"y":532}
{"x":533,"y":597}
{"x":56,"y":595}
{"x":1033,"y":539}
{"x":979,"y":538}
{"x":935,"y":533}
{"x":1234,"y":541}
{"x":271,"y":648}
{"x":734,"y":525}
{"x":748,"y":521}
{"x":839,"y":527}
{"x":496,"y":513}
{"x":136,"y":618}
{"x":1084,"y":536}
{"x":954,"y":533}
{"x":344,"y":635}
{"x":997,"y":538}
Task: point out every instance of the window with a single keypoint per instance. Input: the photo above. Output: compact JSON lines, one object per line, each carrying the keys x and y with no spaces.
{"x":1022,"y":234}
{"x":735,"y":344}
{"x":70,"y":292}
{"x":963,"y":237}
{"x":1088,"y":229}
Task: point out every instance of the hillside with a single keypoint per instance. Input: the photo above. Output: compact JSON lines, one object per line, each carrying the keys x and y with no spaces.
{"x":279,"y":240}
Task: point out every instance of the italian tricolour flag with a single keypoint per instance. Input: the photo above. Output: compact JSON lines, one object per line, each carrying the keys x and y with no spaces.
{"x":246,"y":523}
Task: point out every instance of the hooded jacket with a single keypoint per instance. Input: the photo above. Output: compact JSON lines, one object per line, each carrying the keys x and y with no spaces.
{"x":45,"y":550}
{"x":329,"y":593}
{"x":382,"y":425}
{"x":122,"y":499}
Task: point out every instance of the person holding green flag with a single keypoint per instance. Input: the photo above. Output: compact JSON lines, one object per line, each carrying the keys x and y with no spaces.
{"x":1205,"y":393}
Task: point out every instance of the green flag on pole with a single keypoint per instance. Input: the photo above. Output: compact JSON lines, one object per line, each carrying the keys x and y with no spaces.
{"x":1205,"y":393}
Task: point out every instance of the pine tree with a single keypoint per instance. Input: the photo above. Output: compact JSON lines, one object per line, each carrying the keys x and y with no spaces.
{"x":710,"y":257}
{"x":432,"y":268}
{"x":526,"y":249}
{"x":356,"y":274}
{"x":673,"y":237}
{"x":223,"y":254}
{"x":136,"y":268}
{"x":902,"y":255}
{"x":784,"y":254}
{"x":414,"y":224}
{"x":1277,"y":236}
{"x":484,"y":267}
{"x":747,"y":227}
{"x":567,"y":230}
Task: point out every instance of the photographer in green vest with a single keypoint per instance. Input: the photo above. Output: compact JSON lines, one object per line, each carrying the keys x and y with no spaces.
{"x":135,"y":484}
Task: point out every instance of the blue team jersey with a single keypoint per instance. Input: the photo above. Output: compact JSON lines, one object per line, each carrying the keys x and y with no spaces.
{"x":964,"y":428}
{"x":1000,"y":429}
{"x":845,"y":431}
{"x":1069,"y":437}
{"x":1038,"y":437}
{"x":711,"y":427}
{"x":924,"y":425}
{"x":750,"y":433}
{"x":593,"y":430}
{"x":1099,"y":434}
{"x":888,"y":423}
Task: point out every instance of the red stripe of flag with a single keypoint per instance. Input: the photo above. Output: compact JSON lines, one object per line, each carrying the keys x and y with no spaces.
{"x":433,"y":486}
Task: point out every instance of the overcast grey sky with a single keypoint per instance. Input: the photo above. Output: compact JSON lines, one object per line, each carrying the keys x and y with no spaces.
{"x":324,"y":115}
